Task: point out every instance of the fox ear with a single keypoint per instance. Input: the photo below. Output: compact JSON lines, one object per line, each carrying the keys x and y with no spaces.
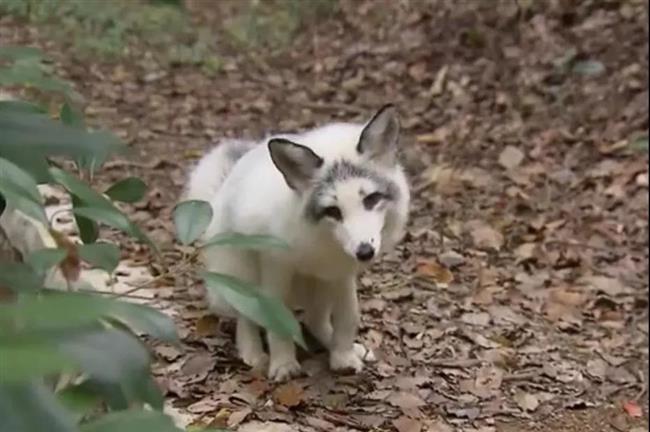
{"x":379,"y":137}
{"x":297,"y":163}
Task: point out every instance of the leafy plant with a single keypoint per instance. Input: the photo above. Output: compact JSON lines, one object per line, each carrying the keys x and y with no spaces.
{"x":47,"y":334}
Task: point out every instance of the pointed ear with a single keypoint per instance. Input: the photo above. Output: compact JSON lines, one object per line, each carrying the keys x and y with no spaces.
{"x":379,"y":137}
{"x":297,"y":163}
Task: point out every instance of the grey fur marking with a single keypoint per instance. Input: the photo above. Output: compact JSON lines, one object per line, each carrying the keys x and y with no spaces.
{"x":342,"y":170}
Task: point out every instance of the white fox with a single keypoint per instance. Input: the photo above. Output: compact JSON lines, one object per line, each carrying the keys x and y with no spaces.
{"x":337,"y":195}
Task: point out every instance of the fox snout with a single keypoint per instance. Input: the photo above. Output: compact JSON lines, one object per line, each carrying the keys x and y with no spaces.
{"x":365,"y":252}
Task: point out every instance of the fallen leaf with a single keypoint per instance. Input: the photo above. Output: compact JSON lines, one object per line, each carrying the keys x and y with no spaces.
{"x":440,"y":426}
{"x":207,"y":325}
{"x":484,"y":236}
{"x":526,"y":401}
{"x":488,"y":381}
{"x":205,"y":405}
{"x":70,"y":266}
{"x":197,"y":367}
{"x":435,"y":137}
{"x":405,"y":400}
{"x":451,"y":258}
{"x":610,"y":286}
{"x":433,"y":271}
{"x":407,"y":424}
{"x":370,"y":421}
{"x":511,"y":157}
{"x":238,"y":416}
{"x":633,"y":409}
{"x":167,"y":352}
{"x":289,"y":394}
{"x":476,"y":318}
{"x":525,"y":251}
{"x":597,"y":368}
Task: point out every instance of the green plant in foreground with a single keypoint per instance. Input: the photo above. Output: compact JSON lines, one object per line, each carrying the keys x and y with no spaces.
{"x":72,"y":361}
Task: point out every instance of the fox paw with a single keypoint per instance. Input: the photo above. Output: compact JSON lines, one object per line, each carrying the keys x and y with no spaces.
{"x":284,"y":370}
{"x":346,"y":361}
{"x":256,"y":359}
{"x":365,"y":354}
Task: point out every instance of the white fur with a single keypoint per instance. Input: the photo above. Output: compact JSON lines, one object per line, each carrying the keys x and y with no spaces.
{"x":319,"y":271}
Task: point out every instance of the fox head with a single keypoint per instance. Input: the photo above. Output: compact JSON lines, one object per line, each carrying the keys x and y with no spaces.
{"x":353,"y":200}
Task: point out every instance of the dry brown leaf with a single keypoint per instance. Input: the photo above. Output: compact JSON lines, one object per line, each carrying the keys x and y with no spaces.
{"x":238,"y":416}
{"x":71,"y":264}
{"x":405,"y":400}
{"x":511,"y":157}
{"x":290,"y":394}
{"x":207,"y":325}
{"x":525,"y":251}
{"x":476,"y":318}
{"x":433,"y":271}
{"x":526,"y":401}
{"x":407,"y":424}
{"x":451,"y":258}
{"x":488,"y":381}
{"x":610,"y":286}
{"x":484,"y":236}
{"x":435,"y":137}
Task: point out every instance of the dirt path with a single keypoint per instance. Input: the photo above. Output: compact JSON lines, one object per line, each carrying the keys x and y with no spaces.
{"x":519,"y":299}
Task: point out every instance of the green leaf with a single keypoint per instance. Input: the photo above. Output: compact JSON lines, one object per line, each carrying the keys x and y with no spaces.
{"x":46,"y":137}
{"x":588,"y":67}
{"x":88,"y":229}
{"x":66,"y":310}
{"x":191,"y":218}
{"x":147,"y":320}
{"x":10,"y":171}
{"x":116,"y":219}
{"x":81,"y":189}
{"x":113,"y":356}
{"x":26,"y":361}
{"x":20,"y":190}
{"x":72,"y":117}
{"x":130,"y":189}
{"x":32,"y":408}
{"x":246,"y":241}
{"x":79,"y":399}
{"x":44,"y":259}
{"x":19,"y":52}
{"x":21,"y":106}
{"x":132,"y":421}
{"x":250,"y":301}
{"x":103,"y":255}
{"x":19,"y":277}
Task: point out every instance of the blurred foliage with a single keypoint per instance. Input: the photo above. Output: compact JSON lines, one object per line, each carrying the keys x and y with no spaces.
{"x":165,"y":28}
{"x":71,"y":361}
{"x":273,"y":23}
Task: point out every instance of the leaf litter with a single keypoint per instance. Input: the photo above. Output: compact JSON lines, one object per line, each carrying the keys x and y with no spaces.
{"x":529,"y":222}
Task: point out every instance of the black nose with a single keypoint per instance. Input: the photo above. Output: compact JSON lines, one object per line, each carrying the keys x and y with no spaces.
{"x":365,"y":252}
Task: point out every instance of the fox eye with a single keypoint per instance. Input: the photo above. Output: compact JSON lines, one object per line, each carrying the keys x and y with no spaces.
{"x":333,"y":212}
{"x":370,"y":201}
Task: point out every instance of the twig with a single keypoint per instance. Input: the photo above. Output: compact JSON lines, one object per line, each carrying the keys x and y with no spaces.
{"x":333,"y":106}
{"x":121,"y":295}
{"x":644,"y":387}
{"x":451,"y":363}
{"x":522,"y":376}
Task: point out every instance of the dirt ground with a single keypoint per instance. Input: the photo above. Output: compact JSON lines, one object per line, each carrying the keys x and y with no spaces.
{"x":518,"y":300}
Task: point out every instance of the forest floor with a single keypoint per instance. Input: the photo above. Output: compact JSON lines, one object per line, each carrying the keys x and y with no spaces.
{"x":518,"y":300}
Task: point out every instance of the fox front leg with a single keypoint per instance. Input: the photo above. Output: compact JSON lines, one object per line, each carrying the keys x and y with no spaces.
{"x":276,"y":281}
{"x":345,"y":355}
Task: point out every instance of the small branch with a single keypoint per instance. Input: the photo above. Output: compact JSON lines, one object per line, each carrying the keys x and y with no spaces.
{"x":451,"y":363}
